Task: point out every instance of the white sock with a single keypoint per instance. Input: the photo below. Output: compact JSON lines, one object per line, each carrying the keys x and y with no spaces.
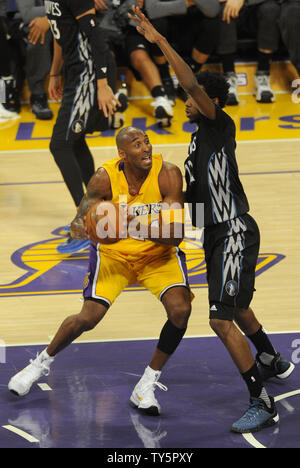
{"x":151,"y":374}
{"x":45,"y":356}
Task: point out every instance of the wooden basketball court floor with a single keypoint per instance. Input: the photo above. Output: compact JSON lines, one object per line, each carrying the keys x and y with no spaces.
{"x":37,"y":290}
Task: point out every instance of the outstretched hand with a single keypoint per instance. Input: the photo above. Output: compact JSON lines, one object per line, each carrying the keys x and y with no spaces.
{"x":144,"y":26}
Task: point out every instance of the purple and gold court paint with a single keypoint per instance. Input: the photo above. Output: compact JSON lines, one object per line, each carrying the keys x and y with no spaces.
{"x":49,"y":272}
{"x":85,"y":402}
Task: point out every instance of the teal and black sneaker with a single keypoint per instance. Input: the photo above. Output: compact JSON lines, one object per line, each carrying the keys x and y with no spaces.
{"x":279,"y":368}
{"x":257,"y":417}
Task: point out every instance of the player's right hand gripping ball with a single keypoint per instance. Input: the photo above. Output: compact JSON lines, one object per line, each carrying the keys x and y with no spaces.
{"x":102,"y":223}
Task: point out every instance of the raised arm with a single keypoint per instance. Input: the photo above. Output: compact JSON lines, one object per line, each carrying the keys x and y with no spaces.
{"x":98,"y":189}
{"x":183,"y":72}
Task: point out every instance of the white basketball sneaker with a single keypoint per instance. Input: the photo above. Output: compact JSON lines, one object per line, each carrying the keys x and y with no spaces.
{"x":143,"y":397}
{"x":163,"y":111}
{"x":21,"y":383}
{"x":118,"y":118}
{"x":264,"y":92}
{"x":6,"y":114}
{"x":232,"y":80}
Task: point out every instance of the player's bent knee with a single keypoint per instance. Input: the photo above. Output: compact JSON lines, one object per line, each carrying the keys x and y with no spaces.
{"x":139,"y":59}
{"x":177,"y":302}
{"x":91,"y":314}
{"x":180,"y":314}
{"x":220,"y":327}
{"x":59,"y":149}
{"x":53,"y":146}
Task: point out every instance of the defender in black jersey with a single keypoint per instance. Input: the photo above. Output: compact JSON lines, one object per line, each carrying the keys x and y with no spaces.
{"x":88,"y":100}
{"x":231,"y":236}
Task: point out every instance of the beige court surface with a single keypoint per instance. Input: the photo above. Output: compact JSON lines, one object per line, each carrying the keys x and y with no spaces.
{"x":270,"y":173}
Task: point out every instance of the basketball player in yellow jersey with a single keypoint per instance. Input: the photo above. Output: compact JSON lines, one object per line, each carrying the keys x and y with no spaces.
{"x":153,"y":262}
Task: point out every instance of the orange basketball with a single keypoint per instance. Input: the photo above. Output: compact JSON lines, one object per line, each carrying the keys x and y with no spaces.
{"x":102,"y":223}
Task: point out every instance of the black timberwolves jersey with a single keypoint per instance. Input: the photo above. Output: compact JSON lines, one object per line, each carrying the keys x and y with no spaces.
{"x":211,"y":171}
{"x":65,"y":29}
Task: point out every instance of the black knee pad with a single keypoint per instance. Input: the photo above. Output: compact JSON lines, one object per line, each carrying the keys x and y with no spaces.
{"x":170,"y":338}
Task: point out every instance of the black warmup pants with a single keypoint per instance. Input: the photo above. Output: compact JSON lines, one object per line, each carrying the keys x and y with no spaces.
{"x":257,"y":21}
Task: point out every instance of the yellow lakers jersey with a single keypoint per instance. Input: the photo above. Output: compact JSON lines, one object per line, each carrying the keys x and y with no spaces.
{"x":147,"y":202}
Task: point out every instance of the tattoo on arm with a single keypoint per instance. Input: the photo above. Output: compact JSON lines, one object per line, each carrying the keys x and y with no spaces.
{"x":98,"y":189}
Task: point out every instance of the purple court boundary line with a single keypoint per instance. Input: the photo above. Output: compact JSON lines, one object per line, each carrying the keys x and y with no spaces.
{"x":61,"y":181}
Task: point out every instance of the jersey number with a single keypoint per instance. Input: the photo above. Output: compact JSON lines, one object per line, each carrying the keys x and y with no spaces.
{"x":54,"y":29}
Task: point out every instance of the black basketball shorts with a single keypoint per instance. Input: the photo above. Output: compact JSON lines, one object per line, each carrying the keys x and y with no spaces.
{"x":79,"y":113}
{"x":231,"y":251}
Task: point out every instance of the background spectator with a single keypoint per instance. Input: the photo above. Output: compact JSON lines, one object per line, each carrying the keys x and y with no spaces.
{"x":198,"y":19}
{"x":12,"y":57}
{"x":289,"y":24}
{"x":260,"y":19}
{"x":5,"y":71}
{"x":140,"y":55}
{"x":38,"y":54}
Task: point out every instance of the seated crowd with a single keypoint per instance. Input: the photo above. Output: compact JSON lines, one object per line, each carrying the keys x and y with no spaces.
{"x":202,"y":31}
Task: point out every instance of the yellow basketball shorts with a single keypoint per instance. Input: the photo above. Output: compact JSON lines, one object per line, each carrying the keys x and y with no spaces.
{"x":109,"y":273}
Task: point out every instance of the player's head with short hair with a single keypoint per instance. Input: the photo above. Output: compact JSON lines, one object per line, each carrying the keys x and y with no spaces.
{"x":215,"y":85}
{"x":134,"y":148}
{"x":127,"y":134}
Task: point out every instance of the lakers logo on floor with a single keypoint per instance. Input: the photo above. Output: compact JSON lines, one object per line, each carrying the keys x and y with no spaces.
{"x":49,"y":272}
